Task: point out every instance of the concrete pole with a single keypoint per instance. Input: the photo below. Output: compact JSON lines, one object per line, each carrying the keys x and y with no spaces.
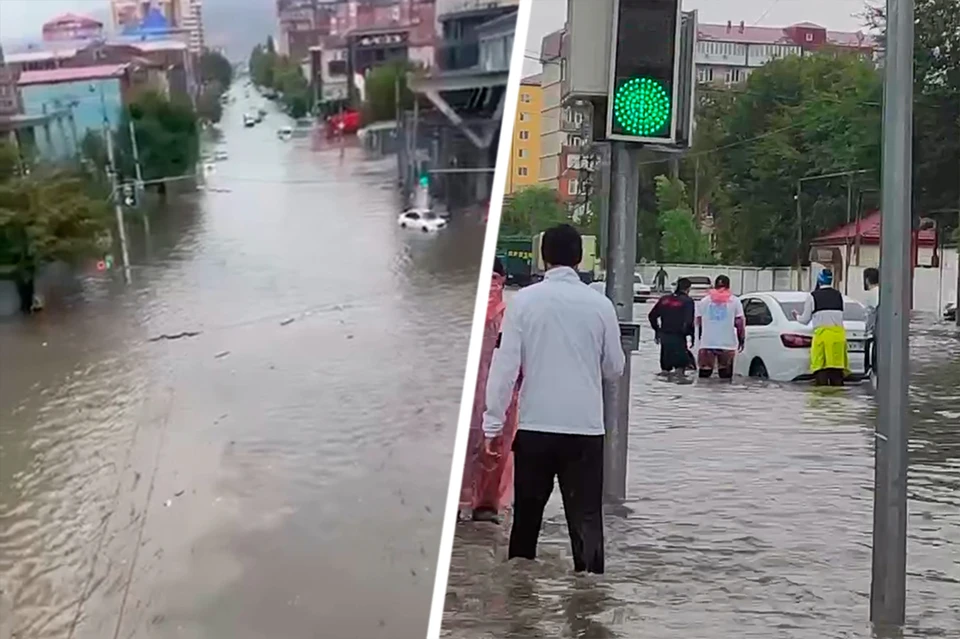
{"x":888,"y":584}
{"x":621,"y":261}
{"x":117,"y":206}
{"x":799,"y":259}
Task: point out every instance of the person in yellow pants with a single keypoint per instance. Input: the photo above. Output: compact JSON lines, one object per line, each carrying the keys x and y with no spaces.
{"x":829,"y":359}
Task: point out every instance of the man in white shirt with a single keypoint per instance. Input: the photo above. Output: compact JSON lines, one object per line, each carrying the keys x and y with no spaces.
{"x":565,"y":337}
{"x":721,"y":327}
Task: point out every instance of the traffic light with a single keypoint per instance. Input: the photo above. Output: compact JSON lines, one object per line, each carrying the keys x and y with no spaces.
{"x":642,"y":99}
{"x":424,"y":181}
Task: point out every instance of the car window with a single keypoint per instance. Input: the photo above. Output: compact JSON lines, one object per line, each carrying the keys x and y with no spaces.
{"x":757,"y":313}
{"x":699,"y":280}
{"x":637,"y":279}
{"x":429,"y":216}
{"x":413,"y":216}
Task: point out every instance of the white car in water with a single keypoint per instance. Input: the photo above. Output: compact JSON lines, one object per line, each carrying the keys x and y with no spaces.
{"x":641,"y":290}
{"x":426,"y":221}
{"x":778,"y":347}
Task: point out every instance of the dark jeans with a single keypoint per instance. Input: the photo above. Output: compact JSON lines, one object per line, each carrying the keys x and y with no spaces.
{"x":577,"y":461}
{"x":673,"y":353}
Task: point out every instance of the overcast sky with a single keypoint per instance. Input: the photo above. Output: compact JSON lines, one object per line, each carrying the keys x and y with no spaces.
{"x":839,"y":15}
{"x":23,"y":18}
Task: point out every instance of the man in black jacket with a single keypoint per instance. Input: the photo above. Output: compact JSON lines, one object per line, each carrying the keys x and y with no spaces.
{"x":672,"y":322}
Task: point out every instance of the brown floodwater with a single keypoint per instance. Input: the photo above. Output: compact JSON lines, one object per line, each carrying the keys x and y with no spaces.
{"x":265,"y":477}
{"x":749,"y":515}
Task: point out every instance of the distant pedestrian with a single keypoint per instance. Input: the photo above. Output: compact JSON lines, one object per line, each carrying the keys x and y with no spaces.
{"x":672,"y":320}
{"x":871,"y":283}
{"x":829,"y":360}
{"x":488,"y":481}
{"x":721,"y":327}
{"x":565,"y":337}
{"x":660,"y":280}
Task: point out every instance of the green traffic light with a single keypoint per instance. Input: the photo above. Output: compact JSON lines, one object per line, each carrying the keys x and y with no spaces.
{"x":424,"y":181}
{"x":641,"y":107}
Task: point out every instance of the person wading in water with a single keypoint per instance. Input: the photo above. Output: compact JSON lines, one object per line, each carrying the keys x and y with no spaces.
{"x":829,"y":360}
{"x":721,"y":326}
{"x":672,"y":322}
{"x":565,"y":337}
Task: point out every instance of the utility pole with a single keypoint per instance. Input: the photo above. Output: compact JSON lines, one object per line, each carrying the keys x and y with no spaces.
{"x":117,"y":205}
{"x":621,"y":260}
{"x":139,"y":175}
{"x":888,"y":584}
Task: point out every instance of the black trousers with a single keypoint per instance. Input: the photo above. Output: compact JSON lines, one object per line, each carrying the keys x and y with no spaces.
{"x":577,"y":461}
{"x":674,"y":355}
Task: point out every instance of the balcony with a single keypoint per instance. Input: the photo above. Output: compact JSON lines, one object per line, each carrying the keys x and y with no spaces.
{"x":454,"y":55}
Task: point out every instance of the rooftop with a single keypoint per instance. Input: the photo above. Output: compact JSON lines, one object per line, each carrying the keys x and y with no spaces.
{"x":54,"y":76}
{"x":869,"y":233}
{"x":71,"y":18}
{"x":778,"y":35}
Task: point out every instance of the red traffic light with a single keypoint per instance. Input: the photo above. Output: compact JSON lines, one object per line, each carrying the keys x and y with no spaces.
{"x":101,"y":265}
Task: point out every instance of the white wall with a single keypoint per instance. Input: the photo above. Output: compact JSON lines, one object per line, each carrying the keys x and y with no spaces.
{"x":932,"y":287}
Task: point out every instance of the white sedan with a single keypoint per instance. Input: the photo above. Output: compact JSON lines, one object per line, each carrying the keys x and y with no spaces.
{"x":778,"y":347}
{"x":641,"y":290}
{"x":426,"y":221}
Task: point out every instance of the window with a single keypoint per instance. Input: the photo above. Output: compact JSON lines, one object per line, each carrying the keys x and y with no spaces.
{"x":574,"y":140}
{"x":757,"y":313}
{"x":524,"y":134}
{"x":522,"y":153}
{"x":573,"y":187}
{"x":705,"y":74}
{"x":522,"y":171}
{"x":578,"y":118}
{"x":573,"y":161}
{"x":525,"y":98}
{"x":524,"y":116}
{"x":809,"y":37}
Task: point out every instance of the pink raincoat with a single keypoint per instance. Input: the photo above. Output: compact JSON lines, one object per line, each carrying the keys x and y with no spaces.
{"x":487,"y":480}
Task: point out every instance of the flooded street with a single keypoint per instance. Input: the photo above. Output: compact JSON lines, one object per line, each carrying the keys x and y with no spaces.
{"x":279,"y":474}
{"x":749,"y":515}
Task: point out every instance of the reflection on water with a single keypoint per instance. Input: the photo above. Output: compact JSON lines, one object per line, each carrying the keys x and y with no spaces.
{"x":750,"y":515}
{"x":266,"y":477}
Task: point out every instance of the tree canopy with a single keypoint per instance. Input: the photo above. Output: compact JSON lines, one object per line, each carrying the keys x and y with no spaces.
{"x":280,"y":73}
{"x":381,"y":89}
{"x":797,"y":117}
{"x":167,"y":137}
{"x":47,"y":215}
{"x":532,"y":210}
{"x":214,"y":67}
{"x":681,"y":239}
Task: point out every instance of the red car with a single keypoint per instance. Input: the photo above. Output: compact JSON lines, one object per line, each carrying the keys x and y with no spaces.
{"x":347,"y":122}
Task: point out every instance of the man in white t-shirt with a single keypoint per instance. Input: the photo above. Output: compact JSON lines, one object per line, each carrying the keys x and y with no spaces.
{"x":720,"y":326}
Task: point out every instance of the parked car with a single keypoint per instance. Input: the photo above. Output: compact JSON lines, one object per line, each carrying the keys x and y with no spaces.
{"x":778,"y":347}
{"x":950,"y":312}
{"x":699,"y":285}
{"x":641,"y":290}
{"x":426,"y":221}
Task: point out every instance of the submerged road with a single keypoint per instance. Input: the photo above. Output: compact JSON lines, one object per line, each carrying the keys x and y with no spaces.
{"x":280,"y":474}
{"x":749,"y":515}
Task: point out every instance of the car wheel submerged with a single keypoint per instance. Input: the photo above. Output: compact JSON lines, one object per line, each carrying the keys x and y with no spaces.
{"x":424,"y":229}
{"x":758,"y":369}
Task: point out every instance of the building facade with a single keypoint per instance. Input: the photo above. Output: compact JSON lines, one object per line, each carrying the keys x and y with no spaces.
{"x":129,"y":13}
{"x":525,"y":150}
{"x":728,"y":54}
{"x":191,"y":12}
{"x":70,"y":26}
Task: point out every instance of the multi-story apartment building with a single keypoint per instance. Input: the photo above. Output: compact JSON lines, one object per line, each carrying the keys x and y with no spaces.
{"x":129,"y":13}
{"x":525,"y":151}
{"x":727,"y":54}
{"x":191,"y":12}
{"x":551,"y":84}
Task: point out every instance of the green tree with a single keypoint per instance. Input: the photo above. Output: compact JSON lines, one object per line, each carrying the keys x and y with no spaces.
{"x":262,"y":62}
{"x":681,"y":239}
{"x":209,"y":108}
{"x":167,"y":137}
{"x":797,"y":117}
{"x":381,"y":90}
{"x":47,"y":216}
{"x":215,"y":68}
{"x":295,"y":91}
{"x":532,"y":210}
{"x":936,"y":128}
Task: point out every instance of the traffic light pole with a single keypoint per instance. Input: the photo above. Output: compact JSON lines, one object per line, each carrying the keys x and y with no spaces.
{"x":621,"y":257}
{"x":888,"y":584}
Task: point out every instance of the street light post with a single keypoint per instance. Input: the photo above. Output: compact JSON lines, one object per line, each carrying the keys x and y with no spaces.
{"x":888,"y":585}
